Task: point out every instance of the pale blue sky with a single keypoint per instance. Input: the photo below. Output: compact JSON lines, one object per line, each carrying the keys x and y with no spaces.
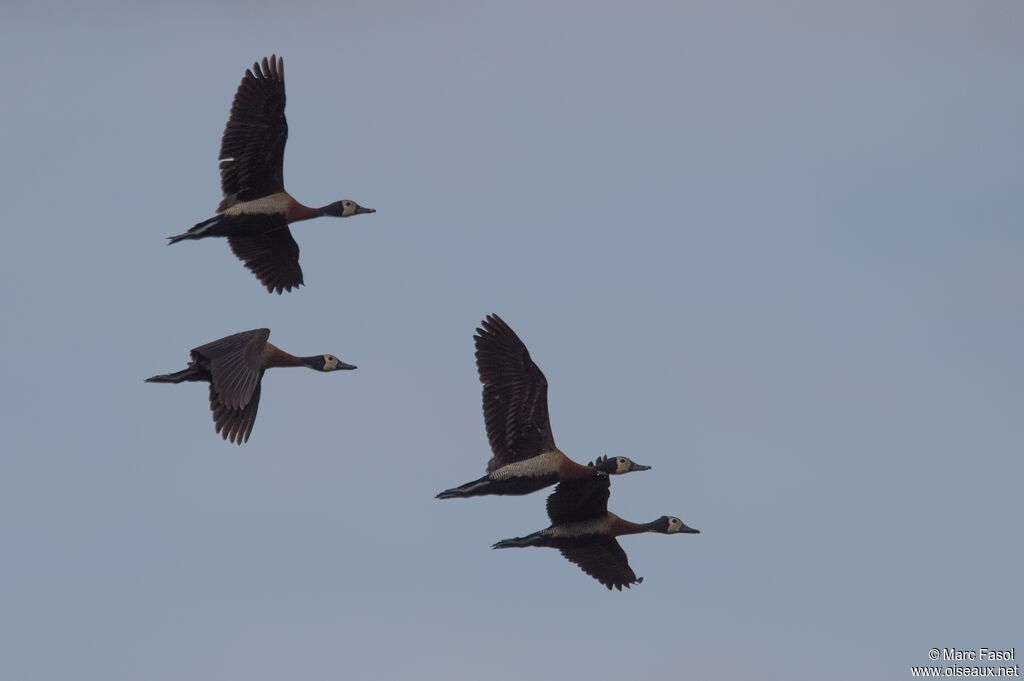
{"x":773,"y":250}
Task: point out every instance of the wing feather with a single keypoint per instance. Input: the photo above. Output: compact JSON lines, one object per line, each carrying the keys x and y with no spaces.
{"x":252,"y":147}
{"x":236,"y":365}
{"x":515,"y":395}
{"x":579,"y":500}
{"x":605,"y":561}
{"x":272,"y":256}
{"x":234,"y":424}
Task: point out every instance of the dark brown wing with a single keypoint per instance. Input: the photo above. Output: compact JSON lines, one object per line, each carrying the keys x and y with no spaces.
{"x":252,"y":147}
{"x":236,"y":364}
{"x":272,"y":256}
{"x":605,"y":561}
{"x":233,"y":424}
{"x":515,"y":395}
{"x":579,"y":500}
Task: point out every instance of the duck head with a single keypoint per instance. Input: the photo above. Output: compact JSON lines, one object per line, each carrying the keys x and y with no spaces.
{"x":669,"y":524}
{"x":326,"y":363}
{"x":617,"y":465}
{"x":345,"y":208}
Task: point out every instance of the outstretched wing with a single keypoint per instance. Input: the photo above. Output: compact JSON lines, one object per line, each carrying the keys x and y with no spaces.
{"x":605,"y":561}
{"x":252,"y":147}
{"x":578,"y":500}
{"x":272,"y":256}
{"x":233,"y":424}
{"x":515,"y":395}
{"x":236,"y":365}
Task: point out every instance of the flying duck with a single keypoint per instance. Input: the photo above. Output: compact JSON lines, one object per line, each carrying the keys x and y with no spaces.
{"x":234,"y":367}
{"x":515,"y":403}
{"x":256,"y":210}
{"x":584,"y":530}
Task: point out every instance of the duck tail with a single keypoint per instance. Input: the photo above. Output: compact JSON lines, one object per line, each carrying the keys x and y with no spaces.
{"x":188,"y":374}
{"x":519,"y":542}
{"x":470,"y":489}
{"x":200,"y":230}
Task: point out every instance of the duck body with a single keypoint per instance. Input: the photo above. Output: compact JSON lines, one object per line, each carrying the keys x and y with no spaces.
{"x":577,"y":533}
{"x":584,"y":531}
{"x":515,"y":406}
{"x":234,"y":368}
{"x":251,"y":218}
{"x":256,"y":210}
{"x":522,"y":477}
{"x":538,"y":472}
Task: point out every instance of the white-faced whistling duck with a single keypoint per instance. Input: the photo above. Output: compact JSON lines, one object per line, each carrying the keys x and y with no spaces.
{"x":515,"y":400}
{"x":234,"y":367}
{"x":256,"y":209}
{"x":584,"y":531}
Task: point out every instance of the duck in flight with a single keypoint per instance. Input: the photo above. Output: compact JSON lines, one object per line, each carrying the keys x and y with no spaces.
{"x":515,"y":403}
{"x":256,"y":210}
{"x":584,"y":531}
{"x":234,"y":367}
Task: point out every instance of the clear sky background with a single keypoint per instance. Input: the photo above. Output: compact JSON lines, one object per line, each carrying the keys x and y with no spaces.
{"x":773,"y":250}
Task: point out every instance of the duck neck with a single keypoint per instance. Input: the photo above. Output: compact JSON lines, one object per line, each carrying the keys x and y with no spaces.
{"x":570,"y":470}
{"x":274,"y":356}
{"x":620,"y":526}
{"x":314,"y":362}
{"x":298,"y":211}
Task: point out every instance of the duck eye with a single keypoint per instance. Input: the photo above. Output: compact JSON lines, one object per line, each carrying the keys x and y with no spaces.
{"x":674,"y":521}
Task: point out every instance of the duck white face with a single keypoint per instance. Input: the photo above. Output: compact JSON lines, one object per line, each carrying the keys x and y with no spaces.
{"x":623,"y":464}
{"x":674,"y":525}
{"x":345,"y":208}
{"x":618,"y":465}
{"x":332,"y":363}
